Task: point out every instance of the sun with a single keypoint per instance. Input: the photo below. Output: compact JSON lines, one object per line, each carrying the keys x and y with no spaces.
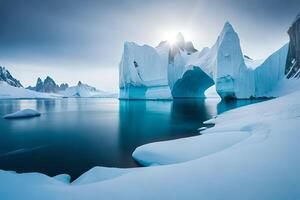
{"x":171,"y":35}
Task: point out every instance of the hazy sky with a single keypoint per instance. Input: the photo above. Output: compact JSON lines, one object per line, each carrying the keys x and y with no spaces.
{"x":73,"y":40}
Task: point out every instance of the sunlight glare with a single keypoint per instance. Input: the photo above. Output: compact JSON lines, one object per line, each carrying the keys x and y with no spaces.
{"x":171,"y":36}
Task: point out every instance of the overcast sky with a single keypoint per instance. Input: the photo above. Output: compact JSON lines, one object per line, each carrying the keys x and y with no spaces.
{"x":73,"y":40}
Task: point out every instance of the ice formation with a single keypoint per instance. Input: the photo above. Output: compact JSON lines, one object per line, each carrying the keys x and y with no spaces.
{"x":22,"y":114}
{"x":141,"y":68}
{"x":189,"y":73}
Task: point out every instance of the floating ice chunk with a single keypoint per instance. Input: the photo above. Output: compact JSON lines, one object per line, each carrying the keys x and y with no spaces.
{"x":23,"y":114}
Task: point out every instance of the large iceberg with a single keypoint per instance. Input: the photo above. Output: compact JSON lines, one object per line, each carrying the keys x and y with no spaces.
{"x":163,"y":72}
{"x":181,"y":71}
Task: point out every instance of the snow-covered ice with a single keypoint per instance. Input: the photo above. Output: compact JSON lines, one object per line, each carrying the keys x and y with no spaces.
{"x":185,"y":149}
{"x":250,"y":153}
{"x":22,"y":114}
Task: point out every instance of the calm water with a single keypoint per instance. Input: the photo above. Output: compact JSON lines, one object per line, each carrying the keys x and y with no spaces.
{"x":74,"y":135}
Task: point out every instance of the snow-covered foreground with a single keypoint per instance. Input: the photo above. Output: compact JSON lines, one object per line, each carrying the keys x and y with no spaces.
{"x":251,"y":153}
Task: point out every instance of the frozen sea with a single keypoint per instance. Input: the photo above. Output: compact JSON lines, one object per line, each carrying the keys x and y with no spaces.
{"x":73,"y":135}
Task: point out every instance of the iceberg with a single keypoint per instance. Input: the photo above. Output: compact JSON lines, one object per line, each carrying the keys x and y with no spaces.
{"x":269,"y":74}
{"x":141,"y":68}
{"x":26,"y":113}
{"x":189,"y":73}
{"x":236,"y":75}
{"x":186,"y":80}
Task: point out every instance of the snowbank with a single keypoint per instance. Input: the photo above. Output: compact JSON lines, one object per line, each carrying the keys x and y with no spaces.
{"x":23,"y":114}
{"x":181,"y":150}
{"x":251,"y":153}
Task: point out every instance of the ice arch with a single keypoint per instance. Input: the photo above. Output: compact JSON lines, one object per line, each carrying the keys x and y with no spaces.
{"x":193,"y":84}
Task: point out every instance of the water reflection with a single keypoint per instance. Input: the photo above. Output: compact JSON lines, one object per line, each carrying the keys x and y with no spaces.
{"x":226,"y":105}
{"x":74,"y":135}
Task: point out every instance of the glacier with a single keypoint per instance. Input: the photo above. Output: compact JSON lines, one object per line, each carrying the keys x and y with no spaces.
{"x":180,"y":71}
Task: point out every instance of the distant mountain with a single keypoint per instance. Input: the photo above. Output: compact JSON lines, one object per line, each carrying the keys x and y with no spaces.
{"x":8,"y":78}
{"x":48,"y":86}
{"x":84,"y":90}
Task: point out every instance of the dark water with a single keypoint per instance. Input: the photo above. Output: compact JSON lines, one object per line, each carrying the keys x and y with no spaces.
{"x":74,"y":135}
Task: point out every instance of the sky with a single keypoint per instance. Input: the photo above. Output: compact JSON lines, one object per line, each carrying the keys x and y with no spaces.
{"x":72,"y":40}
